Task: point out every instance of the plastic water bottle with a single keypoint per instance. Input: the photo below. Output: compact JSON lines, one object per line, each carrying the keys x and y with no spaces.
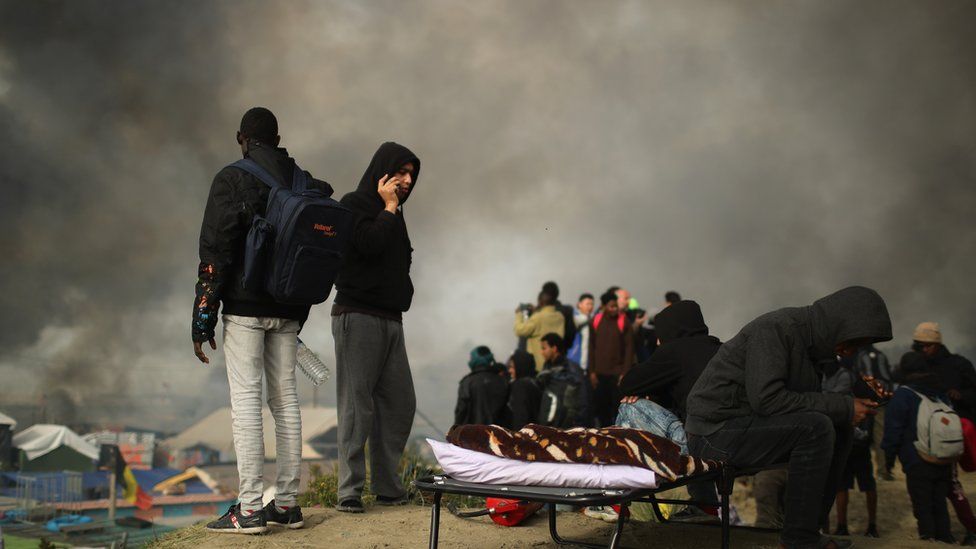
{"x":312,"y":365}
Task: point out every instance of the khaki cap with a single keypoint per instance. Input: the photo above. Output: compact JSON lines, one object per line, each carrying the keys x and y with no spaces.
{"x":928,"y":332}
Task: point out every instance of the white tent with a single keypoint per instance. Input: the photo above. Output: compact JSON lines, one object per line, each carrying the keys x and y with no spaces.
{"x":7,"y":420}
{"x":37,"y":440}
{"x":215,"y":432}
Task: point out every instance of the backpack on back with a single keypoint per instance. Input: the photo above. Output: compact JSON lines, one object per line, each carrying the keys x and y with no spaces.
{"x":939,"y":430}
{"x":561,"y":398}
{"x":295,"y":251}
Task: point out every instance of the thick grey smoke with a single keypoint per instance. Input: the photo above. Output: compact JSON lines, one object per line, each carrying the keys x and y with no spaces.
{"x":750,"y":155}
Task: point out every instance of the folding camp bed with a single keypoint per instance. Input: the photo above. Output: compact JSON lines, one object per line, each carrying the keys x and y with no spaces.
{"x":440,"y":485}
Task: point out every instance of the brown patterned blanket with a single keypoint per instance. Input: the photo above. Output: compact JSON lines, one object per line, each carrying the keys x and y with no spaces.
{"x":608,"y":446}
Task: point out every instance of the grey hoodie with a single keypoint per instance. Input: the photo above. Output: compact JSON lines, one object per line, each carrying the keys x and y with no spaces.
{"x":774,"y":365}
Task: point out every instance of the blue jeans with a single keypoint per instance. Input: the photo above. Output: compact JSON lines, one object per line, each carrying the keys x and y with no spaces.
{"x":650,"y":416}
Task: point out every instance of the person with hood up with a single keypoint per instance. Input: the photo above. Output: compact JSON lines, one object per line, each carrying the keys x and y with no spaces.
{"x":928,"y":484}
{"x":482,"y":394}
{"x":374,"y":387}
{"x":657,"y":389}
{"x":524,"y":393}
{"x":759,"y":402}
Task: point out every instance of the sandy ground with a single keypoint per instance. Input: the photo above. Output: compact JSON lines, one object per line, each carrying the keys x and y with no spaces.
{"x":408,"y":527}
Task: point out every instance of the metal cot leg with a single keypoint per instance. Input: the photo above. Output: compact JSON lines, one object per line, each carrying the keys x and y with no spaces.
{"x":435,"y":519}
{"x":727,"y":481}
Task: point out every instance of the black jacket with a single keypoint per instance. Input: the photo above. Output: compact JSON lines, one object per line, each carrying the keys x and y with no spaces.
{"x":956,"y":372}
{"x":524,"y":393}
{"x":686,"y":348}
{"x":375,"y":277}
{"x":482,"y":396}
{"x":774,"y":365}
{"x":235,"y":198}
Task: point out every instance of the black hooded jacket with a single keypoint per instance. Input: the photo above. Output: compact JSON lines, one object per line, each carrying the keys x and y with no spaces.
{"x":956,"y":372}
{"x":235,"y":198}
{"x":773,"y":366}
{"x":686,"y":348}
{"x":375,"y":277}
{"x":482,"y":396}
{"x":525,"y":394}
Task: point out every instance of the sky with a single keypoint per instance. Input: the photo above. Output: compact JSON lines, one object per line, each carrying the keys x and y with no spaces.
{"x":750,"y":155}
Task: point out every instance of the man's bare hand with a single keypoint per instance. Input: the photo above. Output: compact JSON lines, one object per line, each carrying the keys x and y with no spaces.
{"x":198,"y":350}
{"x":387,"y":189}
{"x":594,"y":380}
{"x":954,"y":394}
{"x":863,"y":408}
{"x":629,"y":399}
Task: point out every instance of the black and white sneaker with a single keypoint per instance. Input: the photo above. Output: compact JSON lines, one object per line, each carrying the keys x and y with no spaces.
{"x":351,"y":505}
{"x":236,"y":522}
{"x":291,"y":517}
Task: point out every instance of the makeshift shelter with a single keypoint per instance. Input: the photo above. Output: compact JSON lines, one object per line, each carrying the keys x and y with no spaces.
{"x":46,"y":447}
{"x":215,"y":433}
{"x":7,"y":426}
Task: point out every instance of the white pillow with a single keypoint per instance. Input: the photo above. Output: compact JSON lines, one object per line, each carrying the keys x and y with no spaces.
{"x":470,"y":466}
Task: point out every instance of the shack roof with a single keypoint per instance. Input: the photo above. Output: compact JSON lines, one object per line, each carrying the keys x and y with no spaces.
{"x":37,"y":440}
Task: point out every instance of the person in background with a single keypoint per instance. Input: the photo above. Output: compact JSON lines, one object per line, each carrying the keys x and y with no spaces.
{"x":957,"y":376}
{"x":543,"y":319}
{"x":872,"y":362}
{"x":611,"y":356}
{"x":569,"y":325}
{"x":564,"y":380}
{"x":579,"y":353}
{"x":858,"y":466}
{"x":524,"y":393}
{"x":482,"y":394}
{"x":929,"y":484}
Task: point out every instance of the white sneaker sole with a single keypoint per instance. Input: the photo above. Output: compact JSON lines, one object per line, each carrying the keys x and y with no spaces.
{"x":292,"y":526}
{"x":251,"y":530}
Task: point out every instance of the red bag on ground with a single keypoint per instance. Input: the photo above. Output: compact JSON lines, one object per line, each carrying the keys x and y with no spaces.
{"x":968,"y":459}
{"x":510,"y":512}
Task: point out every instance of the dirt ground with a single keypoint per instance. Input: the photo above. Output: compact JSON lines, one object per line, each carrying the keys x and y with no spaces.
{"x":408,"y":527}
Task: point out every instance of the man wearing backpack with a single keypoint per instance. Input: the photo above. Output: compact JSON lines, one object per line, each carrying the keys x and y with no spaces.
{"x":260,"y":334}
{"x":374,"y":387}
{"x":562,"y":384}
{"x":958,"y":377}
{"x":926,"y":457}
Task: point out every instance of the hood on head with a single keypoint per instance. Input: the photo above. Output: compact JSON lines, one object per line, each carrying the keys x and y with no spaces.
{"x":852,"y":313}
{"x":682,"y":319}
{"x":386,"y":161}
{"x":524,"y":364}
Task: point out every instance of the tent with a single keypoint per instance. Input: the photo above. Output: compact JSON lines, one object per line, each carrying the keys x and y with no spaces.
{"x":7,"y":425}
{"x":46,"y":447}
{"x":215,"y":433}
{"x":8,"y":421}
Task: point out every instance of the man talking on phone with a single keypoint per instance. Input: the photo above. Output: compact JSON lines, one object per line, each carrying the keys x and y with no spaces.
{"x":375,"y":395}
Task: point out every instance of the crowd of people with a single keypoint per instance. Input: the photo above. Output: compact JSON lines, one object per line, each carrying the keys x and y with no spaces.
{"x":802,"y":391}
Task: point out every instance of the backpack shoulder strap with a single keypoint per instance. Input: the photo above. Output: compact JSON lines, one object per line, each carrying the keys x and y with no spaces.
{"x":257,"y":171}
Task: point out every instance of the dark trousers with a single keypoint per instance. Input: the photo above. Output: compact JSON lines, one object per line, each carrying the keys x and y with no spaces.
{"x":929,"y":486}
{"x":606,"y":399}
{"x":815,"y":448}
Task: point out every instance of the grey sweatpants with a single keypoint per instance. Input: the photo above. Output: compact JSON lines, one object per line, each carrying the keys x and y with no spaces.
{"x":375,"y":400}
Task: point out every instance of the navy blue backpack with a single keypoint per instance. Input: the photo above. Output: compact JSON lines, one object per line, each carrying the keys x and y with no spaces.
{"x":295,"y":251}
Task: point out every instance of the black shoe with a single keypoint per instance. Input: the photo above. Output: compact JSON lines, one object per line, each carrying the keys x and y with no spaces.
{"x":236,"y":522}
{"x":351,"y":505}
{"x":841,"y":530}
{"x":400,"y":500}
{"x":872,"y":531}
{"x":830,"y":543}
{"x":970,"y":539}
{"x":290,"y":518}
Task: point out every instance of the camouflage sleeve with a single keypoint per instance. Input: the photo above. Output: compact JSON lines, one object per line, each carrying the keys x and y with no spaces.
{"x":207,"y":303}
